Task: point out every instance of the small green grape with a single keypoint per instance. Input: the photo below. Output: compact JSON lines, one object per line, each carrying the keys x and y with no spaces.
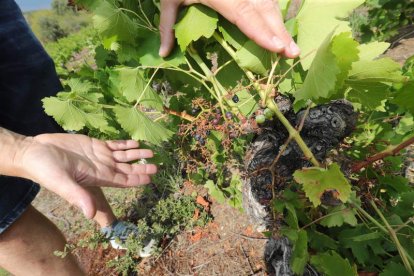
{"x":268,"y":113}
{"x":260,"y":119}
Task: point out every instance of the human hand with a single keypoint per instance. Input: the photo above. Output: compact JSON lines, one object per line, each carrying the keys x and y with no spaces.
{"x":260,"y":20}
{"x":67,"y":163}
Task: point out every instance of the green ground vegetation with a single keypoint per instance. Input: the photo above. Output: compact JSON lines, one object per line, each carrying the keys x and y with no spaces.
{"x":58,"y":22}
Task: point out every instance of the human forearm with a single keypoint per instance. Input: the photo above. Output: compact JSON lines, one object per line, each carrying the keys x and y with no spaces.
{"x":12,"y":145}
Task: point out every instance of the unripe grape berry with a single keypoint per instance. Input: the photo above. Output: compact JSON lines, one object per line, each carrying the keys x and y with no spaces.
{"x":260,"y":119}
{"x":268,"y":113}
{"x":229,"y":115}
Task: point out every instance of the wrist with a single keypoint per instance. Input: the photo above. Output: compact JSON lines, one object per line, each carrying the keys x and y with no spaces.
{"x":13,"y":146}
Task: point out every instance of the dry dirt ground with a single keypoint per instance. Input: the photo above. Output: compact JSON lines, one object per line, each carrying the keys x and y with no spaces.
{"x":227,"y":246}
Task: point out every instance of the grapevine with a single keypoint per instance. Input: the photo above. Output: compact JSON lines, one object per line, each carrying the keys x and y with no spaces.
{"x":219,"y":91}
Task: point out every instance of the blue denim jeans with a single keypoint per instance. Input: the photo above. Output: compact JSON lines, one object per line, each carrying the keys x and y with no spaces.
{"x":27,"y":74}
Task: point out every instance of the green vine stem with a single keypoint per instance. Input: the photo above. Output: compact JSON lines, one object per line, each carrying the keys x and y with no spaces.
{"x":387,"y":230}
{"x":270,"y":103}
{"x":391,"y":232}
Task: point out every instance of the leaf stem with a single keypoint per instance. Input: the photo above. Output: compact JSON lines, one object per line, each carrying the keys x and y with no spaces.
{"x":219,"y":92}
{"x":146,"y":87}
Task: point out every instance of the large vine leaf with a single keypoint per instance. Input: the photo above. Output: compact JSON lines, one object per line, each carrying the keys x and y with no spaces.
{"x":130,"y":83}
{"x":232,"y":34}
{"x":329,"y":69}
{"x":379,"y":70}
{"x":148,"y":53}
{"x":72,"y":117}
{"x":405,"y":97}
{"x":254,"y":58}
{"x":346,"y":51}
{"x":113,"y":22}
{"x":369,"y":77}
{"x":394,"y":269}
{"x":140,"y":127}
{"x":318,"y":18}
{"x":300,"y":255}
{"x":199,"y":21}
{"x":331,"y":263}
{"x":338,"y":216}
{"x":316,"y":181}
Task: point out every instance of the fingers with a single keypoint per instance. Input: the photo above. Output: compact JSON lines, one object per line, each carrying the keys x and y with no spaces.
{"x":169,"y":9}
{"x":121,"y":180}
{"x":271,"y":14}
{"x":253,"y":24}
{"x":131,"y":155}
{"x":76,"y":195}
{"x":261,"y":21}
{"x":122,"y":144}
{"x":136,"y":168}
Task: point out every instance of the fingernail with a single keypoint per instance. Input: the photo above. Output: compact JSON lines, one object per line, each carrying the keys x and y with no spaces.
{"x":294,"y":49}
{"x":85,"y":210}
{"x":163,"y":51}
{"x":279,"y":45}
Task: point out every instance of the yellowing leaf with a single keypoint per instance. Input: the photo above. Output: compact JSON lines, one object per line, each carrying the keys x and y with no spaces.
{"x":316,"y":181}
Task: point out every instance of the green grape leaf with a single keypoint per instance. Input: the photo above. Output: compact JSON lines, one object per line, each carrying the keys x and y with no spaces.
{"x":79,"y":86}
{"x":232,"y":34}
{"x":214,"y":191}
{"x":247,"y":104}
{"x":254,"y":58}
{"x":361,"y":240}
{"x":113,"y":22}
{"x":316,"y":181}
{"x":405,"y":205}
{"x":379,"y":70}
{"x":338,"y":216}
{"x":73,"y":117}
{"x":346,"y":51}
{"x":300,"y":255}
{"x":148,"y":53}
{"x":316,"y":20}
{"x":372,"y":50}
{"x":331,"y":263}
{"x":368,"y":96}
{"x":321,"y":77}
{"x":130,"y":83}
{"x":127,"y":53}
{"x":321,"y":242}
{"x":405,"y":97}
{"x":394,"y":269}
{"x":199,"y":21}
{"x":329,"y":69}
{"x":140,"y":127}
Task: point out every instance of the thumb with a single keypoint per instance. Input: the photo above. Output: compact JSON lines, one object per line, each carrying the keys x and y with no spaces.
{"x":169,"y":9}
{"x":77,"y":196}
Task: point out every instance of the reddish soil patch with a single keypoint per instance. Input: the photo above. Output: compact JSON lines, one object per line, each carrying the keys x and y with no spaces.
{"x":227,"y":246}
